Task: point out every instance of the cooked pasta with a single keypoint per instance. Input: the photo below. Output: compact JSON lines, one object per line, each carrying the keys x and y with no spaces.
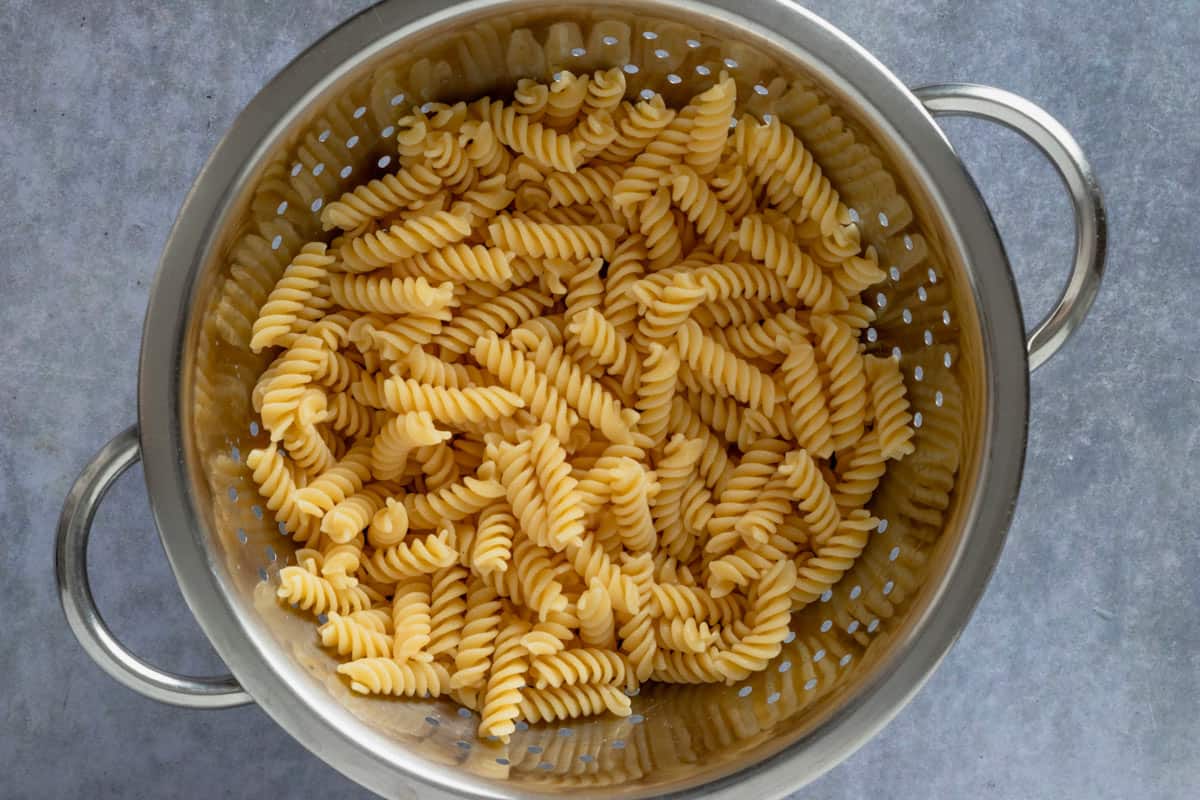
{"x":577,"y":398}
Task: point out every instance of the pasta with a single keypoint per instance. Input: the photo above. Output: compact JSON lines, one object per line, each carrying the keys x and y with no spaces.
{"x":578,"y":398}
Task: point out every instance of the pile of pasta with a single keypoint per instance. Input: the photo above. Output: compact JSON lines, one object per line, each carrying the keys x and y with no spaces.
{"x":574,"y":400}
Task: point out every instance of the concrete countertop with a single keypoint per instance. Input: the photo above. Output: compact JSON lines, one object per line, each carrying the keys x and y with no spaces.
{"x":1079,"y":675}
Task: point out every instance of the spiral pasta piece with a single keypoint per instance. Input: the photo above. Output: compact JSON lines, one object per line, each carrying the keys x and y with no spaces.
{"x":714,"y":112}
{"x":657,"y":225}
{"x":451,"y":502}
{"x":294,"y":373}
{"x":639,"y":642}
{"x":631,"y":506}
{"x":733,"y":190}
{"x":412,"y":621}
{"x":687,"y":635}
{"x":481,"y":624}
{"x":666,"y":309}
{"x":677,"y":666}
{"x":858,"y":473}
{"x":694,"y":197}
{"x":352,"y":515}
{"x":675,"y":469}
{"x":447,"y":159}
{"x":793,"y":180}
{"x":672,"y":601}
{"x":353,"y":639}
{"x":412,"y":557}
{"x":570,"y":702}
{"x":493,"y":539}
{"x":594,"y":132}
{"x":380,"y":197}
{"x":637,"y":127}
{"x":549,"y":240}
{"x":797,"y":269}
{"x":504,"y":693}
{"x":889,"y":406}
{"x":389,"y":526}
{"x":498,"y":315}
{"x":596,"y":623}
{"x":275,"y":481}
{"x":838,"y":350}
{"x":603,"y":342}
{"x":655,"y":391}
{"x":543,"y":144}
{"x":519,"y":375}
{"x":564,"y":513}
{"x":341,"y":481}
{"x":593,"y":403}
{"x":313,"y":593}
{"x":393,"y":338}
{"x":578,"y":666}
{"x":535,"y":571}
{"x":447,"y":610}
{"x":802,"y":383}
{"x":294,"y":300}
{"x":446,"y":404}
{"x":770,"y":611}
{"x":388,"y":676}
{"x":811,"y":492}
{"x":483,"y":200}
{"x":664,"y":150}
{"x":568,"y":93}
{"x":387,"y":295}
{"x":590,"y":185}
{"x":833,"y":558}
{"x":605,"y":91}
{"x":461,"y":262}
{"x":399,"y":436}
{"x":530,"y":97}
{"x":404,"y":240}
{"x":726,"y":372}
{"x":483,"y":148}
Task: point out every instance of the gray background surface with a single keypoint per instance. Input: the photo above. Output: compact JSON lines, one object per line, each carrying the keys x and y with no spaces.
{"x":1079,"y":675}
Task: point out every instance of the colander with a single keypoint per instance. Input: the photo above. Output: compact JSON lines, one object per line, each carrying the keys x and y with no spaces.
{"x":949,"y":308}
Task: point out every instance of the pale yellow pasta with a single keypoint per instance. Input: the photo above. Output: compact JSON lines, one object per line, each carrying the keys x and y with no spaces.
{"x":516,"y":372}
{"x":726,"y":372}
{"x":349,"y":638}
{"x":388,"y":295}
{"x":504,"y":693}
{"x":889,"y":405}
{"x":413,"y":556}
{"x":550,"y":240}
{"x":578,"y":666}
{"x":543,"y":144}
{"x":461,"y":262}
{"x":714,"y":112}
{"x":378,"y":198}
{"x":838,"y":350}
{"x":412,"y":618}
{"x":295,"y":299}
{"x":388,"y":676}
{"x":498,"y":315}
{"x":576,"y":399}
{"x":404,"y":240}
{"x":341,"y":481}
{"x":657,"y":225}
{"x":316,"y":594}
{"x":596,"y":624}
{"x":797,"y":269}
{"x":447,"y":611}
{"x":481,"y":624}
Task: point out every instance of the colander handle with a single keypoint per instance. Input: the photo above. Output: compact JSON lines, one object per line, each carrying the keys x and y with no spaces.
{"x":75,"y":592}
{"x":1045,"y":132}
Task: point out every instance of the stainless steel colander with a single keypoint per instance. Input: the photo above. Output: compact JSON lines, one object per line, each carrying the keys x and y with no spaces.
{"x":948,"y":307}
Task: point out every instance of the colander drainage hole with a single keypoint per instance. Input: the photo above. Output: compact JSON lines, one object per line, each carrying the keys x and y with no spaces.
{"x":587,"y":758}
{"x":465,"y":713}
{"x":233,"y":494}
{"x":433,"y":721}
{"x":745,"y":691}
{"x":564,"y":732}
{"x":463,"y":744}
{"x":545,"y":765}
{"x":254,"y":429}
{"x":522,"y":725}
{"x":773,"y":697}
{"x":637,"y":719}
{"x":533,"y":748}
{"x":502,"y":761}
{"x":810,"y":684}
{"x":241,"y":534}
{"x":618,"y":744}
{"x":789,"y":637}
{"x":785,"y":665}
